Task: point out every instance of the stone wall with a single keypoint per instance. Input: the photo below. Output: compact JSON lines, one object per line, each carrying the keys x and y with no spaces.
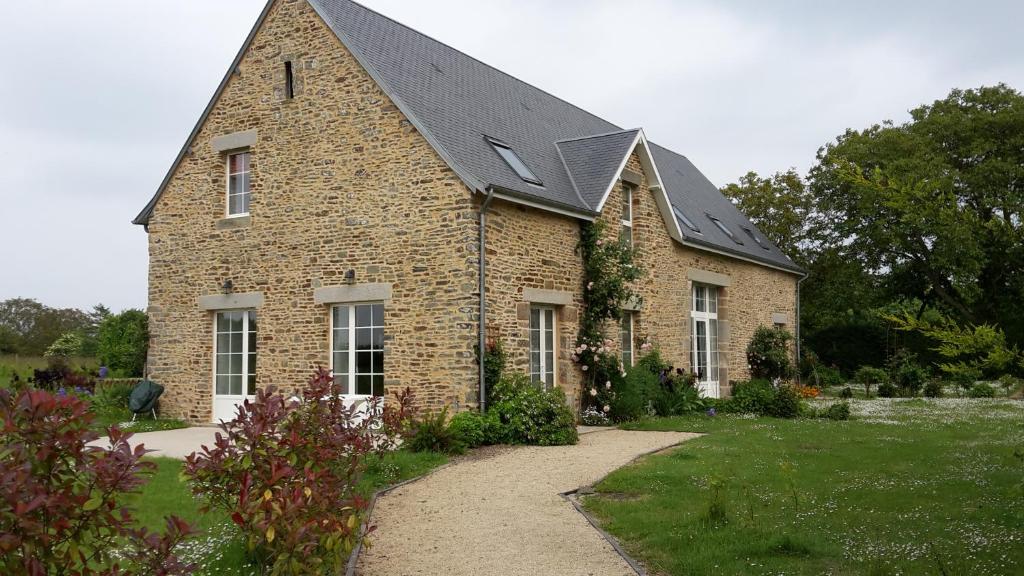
{"x":340,"y":180}
{"x":755,"y":292}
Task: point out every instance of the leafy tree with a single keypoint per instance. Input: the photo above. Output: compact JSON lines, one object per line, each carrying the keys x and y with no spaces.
{"x":970,"y":352}
{"x":779,"y":205}
{"x":28,"y":327}
{"x":69,"y":344}
{"x":933,"y":206}
{"x":90,"y":333}
{"x":124,"y":342}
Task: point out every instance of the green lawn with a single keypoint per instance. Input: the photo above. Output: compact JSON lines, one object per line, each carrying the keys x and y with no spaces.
{"x":907,"y":487}
{"x":219,"y":549}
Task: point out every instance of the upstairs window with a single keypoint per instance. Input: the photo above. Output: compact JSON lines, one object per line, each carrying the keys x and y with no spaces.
{"x":682,"y":216}
{"x":514,"y":161}
{"x":238,"y":184}
{"x":626,"y":235}
{"x":724,"y":229}
{"x":755,"y":238}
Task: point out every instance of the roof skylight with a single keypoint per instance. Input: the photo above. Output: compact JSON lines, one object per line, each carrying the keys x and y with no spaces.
{"x":722,"y":227}
{"x":689,"y":223}
{"x":514,"y":161}
{"x":755,"y":238}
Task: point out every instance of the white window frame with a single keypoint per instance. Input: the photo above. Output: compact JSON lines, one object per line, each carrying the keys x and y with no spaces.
{"x":627,"y":325}
{"x":708,"y":383}
{"x":351,"y":376}
{"x":228,"y":174}
{"x":547,"y":322}
{"x":627,"y":214}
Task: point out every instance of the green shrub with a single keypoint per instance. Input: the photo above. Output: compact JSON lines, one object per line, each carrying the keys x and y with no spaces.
{"x":966,"y":378}
{"x":470,"y":428}
{"x":868,"y":376}
{"x":1010,"y":383}
{"x":829,"y":376}
{"x":910,"y":378}
{"x":785,"y":404}
{"x":432,"y":434}
{"x":933,"y":389}
{"x":982,"y":390}
{"x":528,"y":414}
{"x":887,"y":390}
{"x":768,"y":353}
{"x":111,"y":397}
{"x":751,"y":397}
{"x":633,"y":397}
{"x":124,"y":342}
{"x":840,"y":411}
{"x":846,"y":393}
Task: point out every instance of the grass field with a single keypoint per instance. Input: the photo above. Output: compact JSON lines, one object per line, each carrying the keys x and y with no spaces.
{"x":907,"y":487}
{"x":23,"y":366}
{"x":219,"y":549}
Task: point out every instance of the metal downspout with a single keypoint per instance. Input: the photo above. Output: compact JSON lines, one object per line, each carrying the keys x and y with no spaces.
{"x":797,"y":325}
{"x":482,"y":350}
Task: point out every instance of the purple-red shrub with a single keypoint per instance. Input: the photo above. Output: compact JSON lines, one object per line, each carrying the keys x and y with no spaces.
{"x":61,"y":505}
{"x":286,"y":470}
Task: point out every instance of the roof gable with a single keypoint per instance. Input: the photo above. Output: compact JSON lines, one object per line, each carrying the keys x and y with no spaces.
{"x":458,"y":103}
{"x":594,"y":162}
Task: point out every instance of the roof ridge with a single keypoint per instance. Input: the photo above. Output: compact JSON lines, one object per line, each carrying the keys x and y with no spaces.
{"x":603,"y":134}
{"x":474,"y":58}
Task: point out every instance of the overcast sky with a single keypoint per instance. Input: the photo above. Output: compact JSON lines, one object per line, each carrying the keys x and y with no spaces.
{"x":99,"y":95}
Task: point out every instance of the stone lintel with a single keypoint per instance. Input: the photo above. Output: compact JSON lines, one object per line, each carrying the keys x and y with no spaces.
{"x":553,"y":297}
{"x":237,"y":301}
{"x":631,"y":177}
{"x":341,"y":294}
{"x":707,"y":277}
{"x":233,"y":141}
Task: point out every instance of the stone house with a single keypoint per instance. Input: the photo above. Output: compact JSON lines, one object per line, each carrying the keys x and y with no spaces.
{"x":331,"y":206}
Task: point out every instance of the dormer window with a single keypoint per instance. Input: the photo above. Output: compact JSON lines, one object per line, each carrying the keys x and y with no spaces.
{"x":682,"y":216}
{"x":238,"y":184}
{"x":755,"y":238}
{"x":724,"y":229}
{"x":514,"y":161}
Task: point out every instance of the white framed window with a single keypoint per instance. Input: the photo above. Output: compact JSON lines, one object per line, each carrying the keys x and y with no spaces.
{"x":626,"y":335}
{"x":542,"y":345}
{"x":626,"y":235}
{"x":704,"y":356}
{"x":235,"y":368}
{"x":357,"y":348}
{"x":239,"y":184}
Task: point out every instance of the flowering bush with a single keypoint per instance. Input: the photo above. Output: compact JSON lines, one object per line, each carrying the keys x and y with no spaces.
{"x":768,"y":353}
{"x":594,"y":417}
{"x":603,"y":373}
{"x":62,"y":508}
{"x":807,"y":391}
{"x":285,"y":471}
{"x":528,"y":414}
{"x":609,"y":272}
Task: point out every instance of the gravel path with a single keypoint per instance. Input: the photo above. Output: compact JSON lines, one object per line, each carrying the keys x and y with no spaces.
{"x":502,"y":513}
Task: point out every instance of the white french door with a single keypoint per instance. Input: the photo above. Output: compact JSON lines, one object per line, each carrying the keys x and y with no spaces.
{"x":704,"y":339}
{"x":234,"y":370}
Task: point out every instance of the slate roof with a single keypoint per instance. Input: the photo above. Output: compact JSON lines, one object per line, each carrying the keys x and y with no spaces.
{"x":458,"y":102}
{"x":593,"y":162}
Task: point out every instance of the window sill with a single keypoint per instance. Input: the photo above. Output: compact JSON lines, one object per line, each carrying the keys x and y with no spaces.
{"x":234,"y":222}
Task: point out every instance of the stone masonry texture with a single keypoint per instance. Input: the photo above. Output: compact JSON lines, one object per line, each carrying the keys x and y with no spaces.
{"x":342,"y":181}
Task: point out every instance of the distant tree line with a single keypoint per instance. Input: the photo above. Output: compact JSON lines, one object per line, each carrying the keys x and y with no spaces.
{"x":919,"y":221}
{"x":118,"y":341}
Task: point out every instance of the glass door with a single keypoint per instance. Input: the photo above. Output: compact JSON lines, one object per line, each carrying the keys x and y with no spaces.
{"x":704,"y":339}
